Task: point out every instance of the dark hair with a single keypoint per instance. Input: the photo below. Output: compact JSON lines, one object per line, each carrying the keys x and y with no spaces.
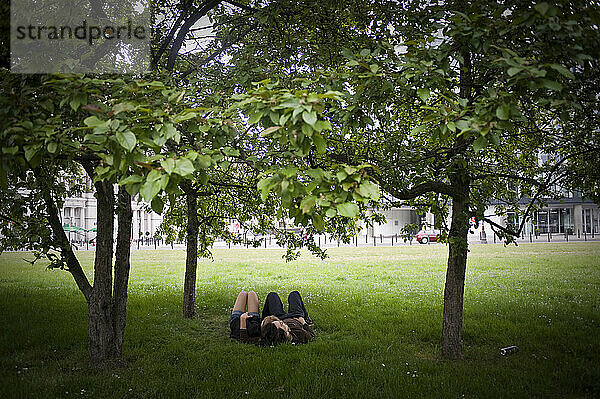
{"x":271,"y":335}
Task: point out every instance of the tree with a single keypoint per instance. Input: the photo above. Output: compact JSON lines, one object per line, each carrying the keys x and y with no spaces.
{"x":453,"y":105}
{"x":467,"y":97}
{"x":204,"y":67}
{"x":55,"y":127}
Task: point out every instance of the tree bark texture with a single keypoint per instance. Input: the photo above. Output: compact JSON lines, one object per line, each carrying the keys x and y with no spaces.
{"x":191,"y":261}
{"x":103,"y":345}
{"x":122,"y":267}
{"x":455,"y":273}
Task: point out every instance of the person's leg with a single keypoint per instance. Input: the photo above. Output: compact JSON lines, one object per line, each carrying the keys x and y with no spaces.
{"x":239,"y":307}
{"x":296,"y":306}
{"x":240,"y":302}
{"x":253,"y":304}
{"x":273,"y":306}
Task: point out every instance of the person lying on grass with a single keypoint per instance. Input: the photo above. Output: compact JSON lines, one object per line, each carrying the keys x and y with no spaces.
{"x":244,"y":321}
{"x":278,"y":326}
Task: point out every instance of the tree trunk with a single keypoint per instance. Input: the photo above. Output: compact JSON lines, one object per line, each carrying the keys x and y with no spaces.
{"x":122,"y":267}
{"x":191,"y":261}
{"x":101,"y":333}
{"x":106,"y":305}
{"x":455,"y":274}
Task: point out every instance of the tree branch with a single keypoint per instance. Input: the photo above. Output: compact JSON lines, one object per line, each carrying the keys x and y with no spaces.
{"x":73,"y":265}
{"x":420,"y":189}
{"x":242,"y":6}
{"x":183,"y":31}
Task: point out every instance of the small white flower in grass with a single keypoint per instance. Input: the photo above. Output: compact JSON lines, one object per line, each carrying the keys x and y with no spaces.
{"x":383,"y":364}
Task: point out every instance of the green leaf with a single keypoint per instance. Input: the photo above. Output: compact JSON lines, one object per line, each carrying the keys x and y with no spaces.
{"x":30,"y":152}
{"x":131,"y":180}
{"x":169,"y":130}
{"x":562,"y":70}
{"x":307,"y":203}
{"x":503,"y":112}
{"x":168,"y":165}
{"x":265,"y":185}
{"x":255,"y":117}
{"x":157,"y":204}
{"x":77,"y":100}
{"x":322,"y":125}
{"x":92,"y":121}
{"x":290,"y":171}
{"x":203,"y":177}
{"x":341,"y":175}
{"x":123,"y":107}
{"x":423,"y":93}
{"x":551,"y":84}
{"x":307,"y":130}
{"x":317,"y":221}
{"x":204,"y":161}
{"x":319,"y":142}
{"x":52,"y":146}
{"x":310,"y":117}
{"x":494,"y":138}
{"x":284,"y":186}
{"x":184,"y":167}
{"x":149,"y":190}
{"x":153,"y":175}
{"x":348,"y":209}
{"x":512,"y":71}
{"x":331,"y":212}
{"x":270,"y":130}
{"x":419,"y":129}
{"x":184,"y":117}
{"x":95,"y":138}
{"x":463,"y":125}
{"x":368,"y":189}
{"x":480,"y":144}
{"x":127,"y":140}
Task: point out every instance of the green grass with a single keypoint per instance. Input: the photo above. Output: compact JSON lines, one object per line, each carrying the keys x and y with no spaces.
{"x":377,"y":318}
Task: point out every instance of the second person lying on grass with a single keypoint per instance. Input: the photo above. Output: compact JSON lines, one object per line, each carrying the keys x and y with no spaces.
{"x":244,"y":322}
{"x":278,"y":326}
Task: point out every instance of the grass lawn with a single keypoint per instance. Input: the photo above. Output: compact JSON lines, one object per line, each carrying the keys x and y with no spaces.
{"x":377,"y":313}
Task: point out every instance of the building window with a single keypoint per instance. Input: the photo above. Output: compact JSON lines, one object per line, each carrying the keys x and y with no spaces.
{"x":542,"y":222}
{"x":587,"y":220}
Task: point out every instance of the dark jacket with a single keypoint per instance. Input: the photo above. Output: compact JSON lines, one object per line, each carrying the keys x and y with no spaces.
{"x":248,"y":335}
{"x":301,"y":333}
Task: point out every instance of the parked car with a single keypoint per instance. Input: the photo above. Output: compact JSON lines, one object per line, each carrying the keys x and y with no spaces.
{"x":424,"y":236}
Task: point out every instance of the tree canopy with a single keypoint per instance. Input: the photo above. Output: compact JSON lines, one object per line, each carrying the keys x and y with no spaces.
{"x":309,"y":109}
